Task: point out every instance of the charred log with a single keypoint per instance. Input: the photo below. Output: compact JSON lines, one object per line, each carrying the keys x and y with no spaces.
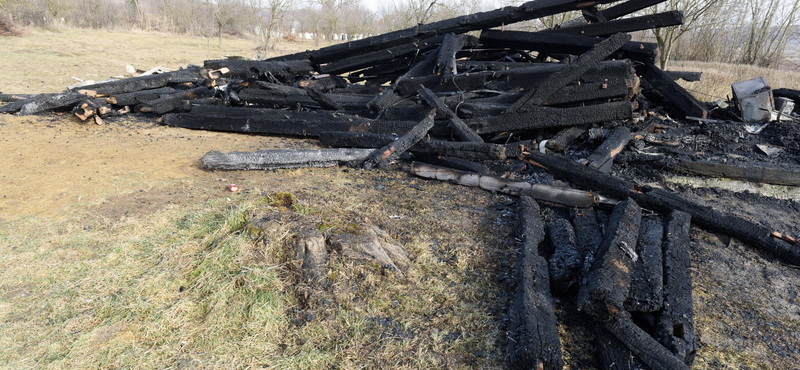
{"x":279,"y":158}
{"x":675,"y":324}
{"x":546,"y":193}
{"x":646,"y":294}
{"x":605,"y":288}
{"x":554,"y":43}
{"x":533,"y":337}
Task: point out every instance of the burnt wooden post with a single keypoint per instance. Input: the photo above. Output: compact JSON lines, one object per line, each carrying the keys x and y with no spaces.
{"x":675,"y":324}
{"x":604,"y":290}
{"x":533,"y":336}
{"x":647,"y":282}
{"x":567,"y":260}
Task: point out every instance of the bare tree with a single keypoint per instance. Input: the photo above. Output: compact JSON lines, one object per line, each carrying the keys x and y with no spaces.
{"x":694,"y":12}
{"x":769,"y":24}
{"x":55,"y":8}
{"x":224,"y":13}
{"x":267,"y":15}
{"x":330,"y":11}
{"x":138,"y":12}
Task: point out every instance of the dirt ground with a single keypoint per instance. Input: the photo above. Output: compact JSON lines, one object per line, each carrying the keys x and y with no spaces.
{"x":60,"y":165}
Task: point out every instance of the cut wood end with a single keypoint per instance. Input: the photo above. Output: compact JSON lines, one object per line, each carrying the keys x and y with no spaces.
{"x":91,"y":93}
{"x":784,"y":237}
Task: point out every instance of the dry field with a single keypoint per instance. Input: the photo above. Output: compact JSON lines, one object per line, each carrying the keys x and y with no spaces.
{"x":718,"y":77}
{"x":119,"y":252}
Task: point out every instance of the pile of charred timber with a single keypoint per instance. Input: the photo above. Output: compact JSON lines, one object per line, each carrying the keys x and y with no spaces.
{"x":454,"y":102}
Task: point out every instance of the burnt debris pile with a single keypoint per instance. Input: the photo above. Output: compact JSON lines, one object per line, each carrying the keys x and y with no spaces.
{"x":567,"y":117}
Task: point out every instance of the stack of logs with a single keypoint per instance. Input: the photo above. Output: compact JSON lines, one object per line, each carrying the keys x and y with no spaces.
{"x":631,"y":276}
{"x":452,"y":100}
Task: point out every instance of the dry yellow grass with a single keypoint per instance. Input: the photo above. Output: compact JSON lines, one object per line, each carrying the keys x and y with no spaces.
{"x":45,"y":61}
{"x":718,"y":77}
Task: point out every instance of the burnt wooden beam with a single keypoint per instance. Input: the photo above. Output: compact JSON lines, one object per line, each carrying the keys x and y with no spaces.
{"x":610,"y":72}
{"x":633,"y":24}
{"x":469,"y":65}
{"x":451,"y":162}
{"x":325,"y":84}
{"x":646,"y":293}
{"x":10,"y":98}
{"x":684,"y":75}
{"x":567,"y":260}
{"x":175,"y":100}
{"x":15,"y":106}
{"x":546,"y":193}
{"x":370,"y":59}
{"x":446,"y":59}
{"x":127,"y":85}
{"x":679,"y":101}
{"x":588,"y":234}
{"x":591,"y":92}
{"x":647,"y":349}
{"x":613,"y":355}
{"x":324,"y":100}
{"x":675,"y":323}
{"x":462,"y":24}
{"x":475,"y":107}
{"x":245,"y":68}
{"x":48,"y":102}
{"x":603,"y":157}
{"x":392,"y":151}
{"x":564,"y":138}
{"x":665,"y":201}
{"x":279,"y":122}
{"x":605,"y":288}
{"x":759,"y":174}
{"x":139,"y":97}
{"x":464,"y":150}
{"x":459,"y":126}
{"x":292,"y":97}
{"x":283,"y":158}
{"x":627,"y":7}
{"x":533,"y":332}
{"x":555,"y":43}
{"x":540,"y":94}
{"x":383,"y":101}
{"x":549,"y":117}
